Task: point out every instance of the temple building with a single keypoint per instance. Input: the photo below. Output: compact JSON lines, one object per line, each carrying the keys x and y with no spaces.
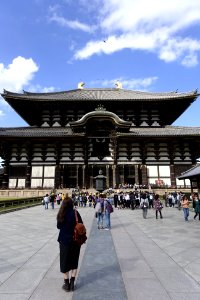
{"x":73,"y":134}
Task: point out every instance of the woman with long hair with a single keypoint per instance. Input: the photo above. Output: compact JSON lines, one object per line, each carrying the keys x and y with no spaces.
{"x":69,"y":249}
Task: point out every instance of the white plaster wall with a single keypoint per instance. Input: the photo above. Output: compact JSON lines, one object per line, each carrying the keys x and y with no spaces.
{"x":152,"y":171}
{"x":36,"y":183}
{"x":12,"y":182}
{"x":49,"y":171}
{"x":37,"y":171}
{"x":21,"y":183}
{"x":48,"y":183}
{"x":164,"y":171}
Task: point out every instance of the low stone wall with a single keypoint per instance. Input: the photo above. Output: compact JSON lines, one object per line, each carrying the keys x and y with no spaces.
{"x":39,"y":193}
{"x":23,"y":193}
{"x":31,"y":192}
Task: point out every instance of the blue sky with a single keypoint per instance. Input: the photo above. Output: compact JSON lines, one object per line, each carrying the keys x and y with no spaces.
{"x":49,"y":45}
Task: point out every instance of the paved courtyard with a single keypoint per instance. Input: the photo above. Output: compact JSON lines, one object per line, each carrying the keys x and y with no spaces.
{"x":138,"y":259}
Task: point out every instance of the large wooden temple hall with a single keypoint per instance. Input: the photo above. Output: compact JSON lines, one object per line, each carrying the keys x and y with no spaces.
{"x":73,"y":134}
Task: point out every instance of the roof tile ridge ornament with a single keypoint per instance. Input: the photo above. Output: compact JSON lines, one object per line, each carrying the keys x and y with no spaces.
{"x":5,"y":92}
{"x":100,"y":107}
{"x":81,"y":85}
{"x":118,"y":85}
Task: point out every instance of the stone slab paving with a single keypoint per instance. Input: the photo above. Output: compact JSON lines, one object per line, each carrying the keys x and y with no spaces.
{"x":100,"y":275}
{"x":140,"y":259}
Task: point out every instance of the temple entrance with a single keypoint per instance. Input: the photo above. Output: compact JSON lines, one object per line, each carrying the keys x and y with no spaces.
{"x":70,"y":176}
{"x":129,"y":174}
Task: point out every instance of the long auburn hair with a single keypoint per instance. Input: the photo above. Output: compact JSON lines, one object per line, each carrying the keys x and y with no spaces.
{"x":66,"y":204}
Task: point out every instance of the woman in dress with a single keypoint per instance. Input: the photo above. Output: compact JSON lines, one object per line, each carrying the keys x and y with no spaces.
{"x":69,"y":249}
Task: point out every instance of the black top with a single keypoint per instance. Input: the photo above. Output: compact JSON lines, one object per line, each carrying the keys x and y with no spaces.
{"x":67,"y":227}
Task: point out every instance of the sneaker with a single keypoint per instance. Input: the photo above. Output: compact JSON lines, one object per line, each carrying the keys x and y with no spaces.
{"x":107,"y":229}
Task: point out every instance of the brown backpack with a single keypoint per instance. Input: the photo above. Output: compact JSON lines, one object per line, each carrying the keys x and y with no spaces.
{"x":79,"y":232}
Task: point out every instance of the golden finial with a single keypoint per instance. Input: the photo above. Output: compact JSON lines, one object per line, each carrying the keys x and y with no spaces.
{"x":81,"y":85}
{"x":118,"y":85}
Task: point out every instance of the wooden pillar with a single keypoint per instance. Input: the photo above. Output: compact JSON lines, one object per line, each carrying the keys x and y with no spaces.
{"x":28,"y":176}
{"x":114,"y":175}
{"x":136,"y":175}
{"x":77,"y":166}
{"x":172,"y":176}
{"x":91,"y":178}
{"x":5,"y":181}
{"x":61,"y":176}
{"x":122,"y":176}
{"x":107,"y":176}
{"x":144,"y":175}
{"x":83,"y":176}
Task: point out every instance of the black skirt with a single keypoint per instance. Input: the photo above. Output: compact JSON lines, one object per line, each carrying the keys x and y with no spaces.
{"x":69,"y":256}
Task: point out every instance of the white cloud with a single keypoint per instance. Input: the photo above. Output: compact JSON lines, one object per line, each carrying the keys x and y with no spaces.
{"x":73,"y":24}
{"x":132,"y":83}
{"x":190,"y":60}
{"x":156,"y":26}
{"x":17,"y":74}
{"x":39,"y":89}
{"x":1,"y":113}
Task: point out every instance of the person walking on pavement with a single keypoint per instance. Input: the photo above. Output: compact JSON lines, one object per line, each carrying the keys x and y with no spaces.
{"x":144,"y":204}
{"x":157,"y":204}
{"x":52,"y":199}
{"x":46,"y":201}
{"x":197,"y":206}
{"x":69,"y":249}
{"x":185,"y":206}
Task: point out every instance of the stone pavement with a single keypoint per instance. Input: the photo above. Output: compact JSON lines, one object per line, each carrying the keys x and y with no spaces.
{"x":138,"y":259}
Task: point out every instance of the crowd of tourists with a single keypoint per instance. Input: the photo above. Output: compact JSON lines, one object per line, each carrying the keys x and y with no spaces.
{"x":68,"y":217}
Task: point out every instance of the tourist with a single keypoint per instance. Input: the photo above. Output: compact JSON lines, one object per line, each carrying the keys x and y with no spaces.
{"x":108,"y":209}
{"x":99,"y":208}
{"x":170,"y":199}
{"x":115,"y":199}
{"x":185,"y":206}
{"x":69,"y":249}
{"x":157,"y":204}
{"x":196,"y":206}
{"x":46,"y":201}
{"x":51,"y":200}
{"x":144,"y":204}
{"x":132,"y":200}
{"x":58,"y":198}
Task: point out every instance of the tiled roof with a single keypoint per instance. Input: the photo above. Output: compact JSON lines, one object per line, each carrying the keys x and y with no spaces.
{"x":165,"y":131}
{"x":37,"y":132}
{"x":168,"y":131}
{"x":99,"y":94}
{"x":191,"y":172}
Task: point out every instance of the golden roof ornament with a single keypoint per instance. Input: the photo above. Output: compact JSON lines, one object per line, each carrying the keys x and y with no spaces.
{"x":118,"y":85}
{"x":81,"y":85}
